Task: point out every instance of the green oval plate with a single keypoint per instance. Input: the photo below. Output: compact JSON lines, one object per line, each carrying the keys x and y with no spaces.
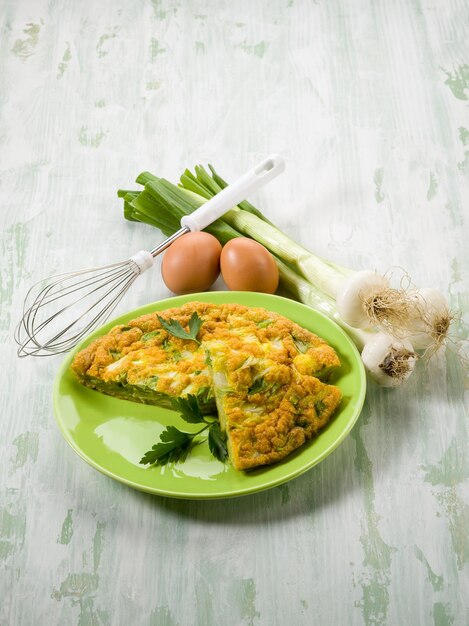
{"x":112,"y":435}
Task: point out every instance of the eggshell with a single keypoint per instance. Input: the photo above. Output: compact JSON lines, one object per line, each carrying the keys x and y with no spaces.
{"x":191,"y":263}
{"x":247,"y":266}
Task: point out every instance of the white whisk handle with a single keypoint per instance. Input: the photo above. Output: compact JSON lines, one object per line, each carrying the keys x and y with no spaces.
{"x":142,"y":261}
{"x":238,"y":191}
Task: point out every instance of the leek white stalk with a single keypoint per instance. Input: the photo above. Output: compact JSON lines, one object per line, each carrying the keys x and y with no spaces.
{"x":389,"y":361}
{"x":364,"y":298}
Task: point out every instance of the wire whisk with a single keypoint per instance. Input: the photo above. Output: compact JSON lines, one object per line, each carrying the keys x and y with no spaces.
{"x":60,"y":311}
{"x":87,"y":298}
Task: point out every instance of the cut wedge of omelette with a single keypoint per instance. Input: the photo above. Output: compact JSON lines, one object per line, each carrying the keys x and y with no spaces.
{"x":262,"y":372}
{"x":267,"y":409}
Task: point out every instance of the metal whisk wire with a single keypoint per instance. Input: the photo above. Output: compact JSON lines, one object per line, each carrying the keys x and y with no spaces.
{"x":28,"y":331}
{"x":109,"y":282}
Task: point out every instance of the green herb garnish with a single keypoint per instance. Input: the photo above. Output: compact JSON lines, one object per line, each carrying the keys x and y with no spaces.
{"x":173,"y":327}
{"x":175,"y":444}
{"x":173,"y":447}
{"x":189,"y":409}
{"x":217,"y":442}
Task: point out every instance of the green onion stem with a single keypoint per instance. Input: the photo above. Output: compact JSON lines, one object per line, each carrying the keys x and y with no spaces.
{"x":190,"y":183}
{"x":145,"y":177}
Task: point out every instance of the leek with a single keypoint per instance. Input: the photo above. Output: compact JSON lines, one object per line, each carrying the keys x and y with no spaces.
{"x":161,"y":204}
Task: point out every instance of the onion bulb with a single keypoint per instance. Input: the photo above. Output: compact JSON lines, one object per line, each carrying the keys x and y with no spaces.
{"x":388,"y":360}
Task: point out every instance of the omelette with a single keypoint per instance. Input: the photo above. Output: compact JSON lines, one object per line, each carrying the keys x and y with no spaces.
{"x":264,"y":375}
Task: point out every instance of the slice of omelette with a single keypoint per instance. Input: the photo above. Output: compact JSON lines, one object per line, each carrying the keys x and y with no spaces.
{"x":251,"y":364}
{"x":143,"y":362}
{"x":266,"y":408}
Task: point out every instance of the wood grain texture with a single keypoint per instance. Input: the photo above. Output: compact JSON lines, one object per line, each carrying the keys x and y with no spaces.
{"x":368,"y":101}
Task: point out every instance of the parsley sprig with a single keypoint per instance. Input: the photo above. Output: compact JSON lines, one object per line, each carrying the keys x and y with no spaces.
{"x":174,"y":327}
{"x":175,"y":444}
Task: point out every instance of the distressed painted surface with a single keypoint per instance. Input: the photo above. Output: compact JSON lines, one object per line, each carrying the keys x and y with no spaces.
{"x":368,"y":101}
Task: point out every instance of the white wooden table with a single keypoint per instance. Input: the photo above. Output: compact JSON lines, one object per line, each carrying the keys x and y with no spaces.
{"x":368,"y":101}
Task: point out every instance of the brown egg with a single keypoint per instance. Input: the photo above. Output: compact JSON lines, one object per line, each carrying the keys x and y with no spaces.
{"x":248,"y":266}
{"x":191,"y":263}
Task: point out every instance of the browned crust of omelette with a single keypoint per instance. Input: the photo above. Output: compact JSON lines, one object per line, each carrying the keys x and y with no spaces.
{"x":268,"y":410}
{"x":286,"y":428}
